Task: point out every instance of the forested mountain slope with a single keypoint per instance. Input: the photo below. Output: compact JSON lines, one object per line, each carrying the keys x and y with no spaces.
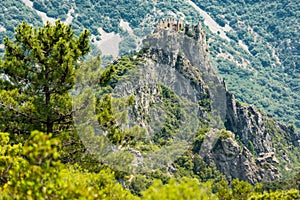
{"x":157,"y":124}
{"x":258,"y":56}
{"x":268,"y":69}
{"x":174,"y":71}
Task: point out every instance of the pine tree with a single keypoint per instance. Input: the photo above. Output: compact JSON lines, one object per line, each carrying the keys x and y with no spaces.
{"x":38,"y":70}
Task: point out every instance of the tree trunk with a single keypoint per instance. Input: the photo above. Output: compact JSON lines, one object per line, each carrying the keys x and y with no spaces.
{"x":49,"y":125}
{"x":49,"y":122}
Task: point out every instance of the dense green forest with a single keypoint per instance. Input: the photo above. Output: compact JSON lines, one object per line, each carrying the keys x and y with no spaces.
{"x":41,"y":154}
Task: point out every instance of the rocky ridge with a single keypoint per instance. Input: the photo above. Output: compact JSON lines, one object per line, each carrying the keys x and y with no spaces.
{"x":256,"y":147}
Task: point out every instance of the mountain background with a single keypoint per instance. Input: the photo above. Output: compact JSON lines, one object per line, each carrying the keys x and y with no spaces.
{"x":254,"y":45}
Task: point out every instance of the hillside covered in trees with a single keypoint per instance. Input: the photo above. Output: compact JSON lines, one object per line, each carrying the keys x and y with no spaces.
{"x":71,"y":128}
{"x":255,"y":46}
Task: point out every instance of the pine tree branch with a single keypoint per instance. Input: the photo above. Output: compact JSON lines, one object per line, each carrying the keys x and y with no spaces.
{"x":22,"y":114}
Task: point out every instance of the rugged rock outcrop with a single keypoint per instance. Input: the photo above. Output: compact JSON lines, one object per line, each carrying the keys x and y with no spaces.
{"x":258,"y":147}
{"x":251,"y":125}
{"x":262,"y":135}
{"x":236,"y":161}
{"x":187,"y":51}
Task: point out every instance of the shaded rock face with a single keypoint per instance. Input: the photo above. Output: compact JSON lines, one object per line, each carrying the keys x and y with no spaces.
{"x":167,"y":45}
{"x":188,"y":50}
{"x":251,"y":125}
{"x":248,"y":124}
{"x":168,"y":60}
{"x":262,"y":135}
{"x":236,"y":161}
{"x":181,"y":61}
{"x":178,"y":61}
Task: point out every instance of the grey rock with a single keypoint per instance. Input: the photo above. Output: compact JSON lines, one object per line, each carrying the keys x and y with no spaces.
{"x":181,"y":62}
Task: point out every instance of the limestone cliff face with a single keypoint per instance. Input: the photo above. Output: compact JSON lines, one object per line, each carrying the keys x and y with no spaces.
{"x":187,"y":51}
{"x":236,"y":161}
{"x":258,"y":146}
{"x":273,"y":144}
{"x":169,"y":43}
{"x":251,"y":125}
{"x":177,"y":57}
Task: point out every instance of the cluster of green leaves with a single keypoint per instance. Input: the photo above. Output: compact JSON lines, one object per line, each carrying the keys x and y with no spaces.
{"x":180,"y":8}
{"x":39,"y":69}
{"x":171,"y":106}
{"x":118,"y":70}
{"x":112,"y":115}
{"x":284,"y":184}
{"x":184,"y":189}
{"x":193,"y":166}
{"x":199,"y":138}
{"x":50,"y":8}
{"x":243,"y":190}
{"x":34,"y":171}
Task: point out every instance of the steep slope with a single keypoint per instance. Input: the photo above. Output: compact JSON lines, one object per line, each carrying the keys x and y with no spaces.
{"x":183,"y":105}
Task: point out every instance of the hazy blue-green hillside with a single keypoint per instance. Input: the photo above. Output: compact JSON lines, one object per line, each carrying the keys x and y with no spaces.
{"x":268,"y":71}
{"x":12,"y":13}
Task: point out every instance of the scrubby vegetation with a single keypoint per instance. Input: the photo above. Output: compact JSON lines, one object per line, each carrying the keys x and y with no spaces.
{"x":41,"y":154}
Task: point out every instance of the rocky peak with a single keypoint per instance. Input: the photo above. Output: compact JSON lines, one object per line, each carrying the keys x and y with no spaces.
{"x":171,"y":40}
{"x":176,"y":55}
{"x":168,"y":46}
